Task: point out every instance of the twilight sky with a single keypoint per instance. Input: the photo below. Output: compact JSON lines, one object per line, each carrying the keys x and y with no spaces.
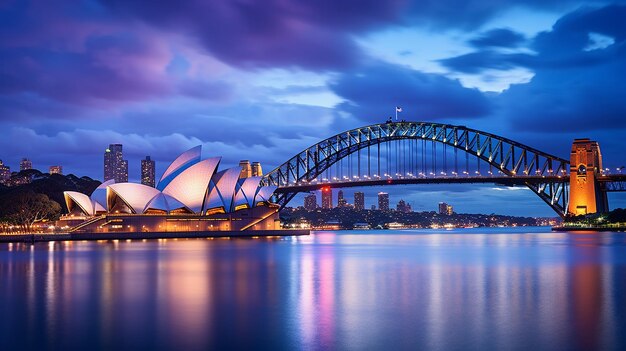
{"x":261,"y":80}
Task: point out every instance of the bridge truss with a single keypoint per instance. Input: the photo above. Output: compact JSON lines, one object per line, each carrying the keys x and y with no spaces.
{"x":419,"y":151}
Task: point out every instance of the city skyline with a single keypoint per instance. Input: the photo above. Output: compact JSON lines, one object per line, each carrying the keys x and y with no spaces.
{"x":111,"y":73}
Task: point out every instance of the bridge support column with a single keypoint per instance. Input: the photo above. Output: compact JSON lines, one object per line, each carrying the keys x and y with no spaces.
{"x":586,"y":196}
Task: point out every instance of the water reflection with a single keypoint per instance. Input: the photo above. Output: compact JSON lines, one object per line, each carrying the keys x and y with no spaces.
{"x":351,"y":290}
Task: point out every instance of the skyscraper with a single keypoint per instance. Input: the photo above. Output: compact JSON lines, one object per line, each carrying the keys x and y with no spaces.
{"x":246,"y":169}
{"x":310,"y":202}
{"x":359,"y":201}
{"x":256,"y":169}
{"x":56,"y":169}
{"x":383,"y":201}
{"x":341,"y":201}
{"x":445,"y":209}
{"x":25,"y":164}
{"x":147,"y":172}
{"x":5,"y":172}
{"x":327,"y":198}
{"x":115,"y":167}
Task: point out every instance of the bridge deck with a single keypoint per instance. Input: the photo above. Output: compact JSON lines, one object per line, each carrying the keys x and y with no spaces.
{"x":504,"y":180}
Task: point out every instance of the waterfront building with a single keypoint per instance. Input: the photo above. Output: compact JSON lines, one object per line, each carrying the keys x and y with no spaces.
{"x":115,"y":167}
{"x":256,"y":169}
{"x":310,"y":202}
{"x":383,"y":201}
{"x":327,"y":198}
{"x":25,"y":164}
{"x":5,"y":172}
{"x":192,"y":195}
{"x":147,"y":172}
{"x":246,"y":169}
{"x":359,"y":200}
{"x":56,"y":169}
{"x":341,"y":201}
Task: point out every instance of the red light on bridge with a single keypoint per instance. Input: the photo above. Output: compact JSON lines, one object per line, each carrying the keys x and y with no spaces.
{"x":389,"y":181}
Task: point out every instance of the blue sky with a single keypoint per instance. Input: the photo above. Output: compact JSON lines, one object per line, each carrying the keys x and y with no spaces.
{"x":261,"y":80}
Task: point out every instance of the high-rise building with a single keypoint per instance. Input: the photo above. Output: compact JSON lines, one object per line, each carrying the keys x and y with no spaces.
{"x":5,"y":172}
{"x":25,"y":164}
{"x":56,"y":169}
{"x":383,"y":201}
{"x":256,"y":169}
{"x":246,"y":169}
{"x":124,"y":172}
{"x":115,"y":167}
{"x":402,"y":206}
{"x":327,"y":198}
{"x":310,"y":202}
{"x":359,"y":200}
{"x":147,"y":172}
{"x":341,"y":201}
{"x":445,"y":209}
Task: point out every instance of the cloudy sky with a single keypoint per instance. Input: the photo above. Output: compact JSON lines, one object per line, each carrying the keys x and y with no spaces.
{"x":261,"y":80}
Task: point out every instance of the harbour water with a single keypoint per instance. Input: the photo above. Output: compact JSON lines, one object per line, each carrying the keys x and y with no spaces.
{"x":465,"y":289}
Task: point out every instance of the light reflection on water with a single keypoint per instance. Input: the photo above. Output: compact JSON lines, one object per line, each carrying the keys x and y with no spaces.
{"x":479,"y":289}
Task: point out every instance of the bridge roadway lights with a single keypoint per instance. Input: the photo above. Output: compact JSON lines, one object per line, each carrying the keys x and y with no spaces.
{"x":586,"y":195}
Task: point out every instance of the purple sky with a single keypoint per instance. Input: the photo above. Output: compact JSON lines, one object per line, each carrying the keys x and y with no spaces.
{"x":261,"y":80}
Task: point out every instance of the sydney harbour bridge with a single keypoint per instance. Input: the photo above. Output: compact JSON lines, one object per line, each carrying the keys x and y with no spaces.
{"x":396,"y":153}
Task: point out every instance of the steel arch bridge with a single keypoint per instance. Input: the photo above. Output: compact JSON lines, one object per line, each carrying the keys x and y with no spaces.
{"x":407,"y":153}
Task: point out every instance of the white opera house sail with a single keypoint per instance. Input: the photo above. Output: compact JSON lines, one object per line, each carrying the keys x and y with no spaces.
{"x":192,"y":195}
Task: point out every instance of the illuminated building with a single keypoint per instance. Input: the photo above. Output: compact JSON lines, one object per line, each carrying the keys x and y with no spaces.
{"x":585,"y":166}
{"x":192,"y":195}
{"x":246,"y":169}
{"x":5,"y":172}
{"x":327,"y":198}
{"x":383,"y":201}
{"x":445,"y":209}
{"x":25,"y":164}
{"x":256,"y":169}
{"x":147,"y":172}
{"x":341,"y":201}
{"x":115,"y":167}
{"x":359,"y":200}
{"x":56,"y":169}
{"x":310,"y":202}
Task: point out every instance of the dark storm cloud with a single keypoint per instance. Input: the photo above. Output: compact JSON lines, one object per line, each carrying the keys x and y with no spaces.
{"x":252,"y":34}
{"x":314,"y":35}
{"x":372,"y":92}
{"x":500,"y":37}
{"x":578,"y":85}
{"x":476,"y":62}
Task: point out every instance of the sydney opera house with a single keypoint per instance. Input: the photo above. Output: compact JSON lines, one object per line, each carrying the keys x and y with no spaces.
{"x":191,"y":196}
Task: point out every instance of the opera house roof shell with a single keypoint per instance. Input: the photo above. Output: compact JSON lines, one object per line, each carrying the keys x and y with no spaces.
{"x":188,"y":185}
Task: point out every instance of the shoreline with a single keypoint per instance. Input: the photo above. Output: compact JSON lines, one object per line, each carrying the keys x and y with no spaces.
{"x":33,"y":238}
{"x":588,"y":229}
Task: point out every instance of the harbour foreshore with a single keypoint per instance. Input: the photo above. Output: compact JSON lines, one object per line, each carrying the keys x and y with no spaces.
{"x":38,"y":237}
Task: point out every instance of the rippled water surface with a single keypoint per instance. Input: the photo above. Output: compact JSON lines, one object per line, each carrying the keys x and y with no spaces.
{"x":478,"y":289}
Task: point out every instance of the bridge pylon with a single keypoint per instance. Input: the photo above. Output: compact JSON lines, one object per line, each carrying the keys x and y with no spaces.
{"x":586,"y":195}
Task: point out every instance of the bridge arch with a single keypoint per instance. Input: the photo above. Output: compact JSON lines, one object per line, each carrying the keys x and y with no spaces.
{"x":549,"y":173}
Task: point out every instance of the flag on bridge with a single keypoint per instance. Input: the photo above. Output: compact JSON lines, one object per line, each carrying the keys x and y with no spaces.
{"x":398,"y":109}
